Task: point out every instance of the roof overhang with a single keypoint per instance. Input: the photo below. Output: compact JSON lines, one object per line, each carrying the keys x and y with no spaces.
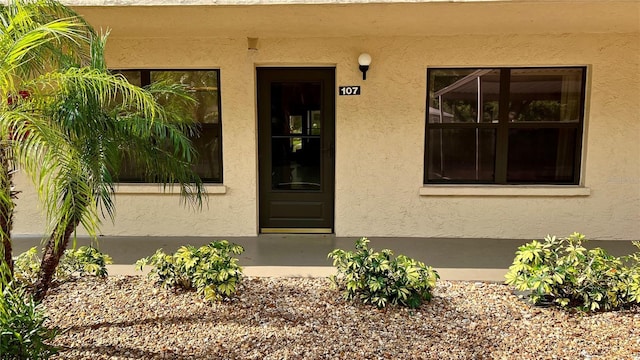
{"x":340,"y":18}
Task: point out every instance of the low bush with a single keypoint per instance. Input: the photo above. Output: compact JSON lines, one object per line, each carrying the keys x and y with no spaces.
{"x":208,"y":269}
{"x":22,"y":331}
{"x":379,"y":279}
{"x":564,"y":272}
{"x":23,"y":334}
{"x":83,"y":261}
{"x":26,"y":267}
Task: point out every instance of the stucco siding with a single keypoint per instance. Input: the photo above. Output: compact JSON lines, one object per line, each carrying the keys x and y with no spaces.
{"x":380,"y":137}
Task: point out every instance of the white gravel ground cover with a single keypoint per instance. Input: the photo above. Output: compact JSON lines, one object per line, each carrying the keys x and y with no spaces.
{"x":126,"y":317}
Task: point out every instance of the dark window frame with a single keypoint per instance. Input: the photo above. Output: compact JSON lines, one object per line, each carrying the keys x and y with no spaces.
{"x":145,"y":79}
{"x":504,"y":125}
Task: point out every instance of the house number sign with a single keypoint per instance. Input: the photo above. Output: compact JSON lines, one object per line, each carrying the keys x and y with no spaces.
{"x":349,"y":90}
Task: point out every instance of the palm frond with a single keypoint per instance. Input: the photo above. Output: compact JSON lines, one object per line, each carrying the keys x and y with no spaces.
{"x":76,"y":121}
{"x":37,"y":36}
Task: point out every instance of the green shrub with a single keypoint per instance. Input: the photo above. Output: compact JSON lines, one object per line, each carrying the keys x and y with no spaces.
{"x":84,"y":261}
{"x":563,"y":271}
{"x":26,"y":267}
{"x":208,"y":269}
{"x":379,"y":279}
{"x":22,"y":331}
{"x":633,"y":275}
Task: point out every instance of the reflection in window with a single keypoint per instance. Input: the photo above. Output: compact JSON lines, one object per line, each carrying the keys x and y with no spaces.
{"x":505,"y":126}
{"x":203,"y":85}
{"x":471,"y":150}
{"x":459,"y":94}
{"x":296,"y":136}
{"x":546,"y":154}
{"x":545,"y":95}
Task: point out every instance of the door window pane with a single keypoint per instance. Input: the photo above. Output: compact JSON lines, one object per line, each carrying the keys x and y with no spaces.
{"x":295,"y":124}
{"x":315,"y":122}
{"x":295,"y":135}
{"x":295,"y":108}
{"x":295,"y":163}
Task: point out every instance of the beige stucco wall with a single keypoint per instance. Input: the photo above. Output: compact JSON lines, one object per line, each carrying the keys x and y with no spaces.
{"x":380,"y":137}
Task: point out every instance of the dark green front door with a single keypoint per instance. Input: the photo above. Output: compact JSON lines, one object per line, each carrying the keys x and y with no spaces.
{"x":296,"y":117}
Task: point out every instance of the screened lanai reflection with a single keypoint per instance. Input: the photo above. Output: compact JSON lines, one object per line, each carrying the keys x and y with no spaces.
{"x":519,"y":125}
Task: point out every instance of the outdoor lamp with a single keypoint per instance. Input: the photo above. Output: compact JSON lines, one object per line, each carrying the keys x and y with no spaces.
{"x":364,"y":60}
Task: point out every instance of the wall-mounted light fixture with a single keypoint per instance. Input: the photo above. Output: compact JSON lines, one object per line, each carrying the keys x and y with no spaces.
{"x":364,"y":60}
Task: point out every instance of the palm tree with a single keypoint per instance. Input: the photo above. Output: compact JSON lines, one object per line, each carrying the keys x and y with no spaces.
{"x":72,"y":121}
{"x":100,"y":134}
{"x":30,"y":34}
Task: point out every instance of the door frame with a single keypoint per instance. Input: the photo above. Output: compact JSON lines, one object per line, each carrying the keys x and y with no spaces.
{"x":264,"y":77}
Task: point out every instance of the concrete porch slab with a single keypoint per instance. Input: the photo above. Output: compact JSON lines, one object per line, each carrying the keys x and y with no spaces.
{"x":297,"y":255}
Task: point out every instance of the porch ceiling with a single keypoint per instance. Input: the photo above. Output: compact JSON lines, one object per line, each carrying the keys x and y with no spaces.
{"x":338,"y":19}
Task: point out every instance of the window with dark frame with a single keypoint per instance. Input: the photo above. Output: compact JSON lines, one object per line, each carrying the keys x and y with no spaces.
{"x":204,"y":87}
{"x":504,"y":125}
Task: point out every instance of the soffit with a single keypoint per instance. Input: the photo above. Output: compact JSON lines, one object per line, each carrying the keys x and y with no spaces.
{"x":333,"y":19}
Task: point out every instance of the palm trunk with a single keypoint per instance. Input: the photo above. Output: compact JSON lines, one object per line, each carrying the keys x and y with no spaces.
{"x":6,"y":207}
{"x":50,"y":261}
{"x":5,"y":225}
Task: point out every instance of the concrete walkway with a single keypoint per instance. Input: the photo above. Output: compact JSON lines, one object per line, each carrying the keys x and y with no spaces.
{"x":306,"y":255}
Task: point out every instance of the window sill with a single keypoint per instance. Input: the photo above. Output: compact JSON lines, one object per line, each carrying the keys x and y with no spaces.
{"x":128,"y":188}
{"x":504,"y":190}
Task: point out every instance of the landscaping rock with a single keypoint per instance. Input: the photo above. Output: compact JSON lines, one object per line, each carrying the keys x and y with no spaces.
{"x":126,"y":317}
